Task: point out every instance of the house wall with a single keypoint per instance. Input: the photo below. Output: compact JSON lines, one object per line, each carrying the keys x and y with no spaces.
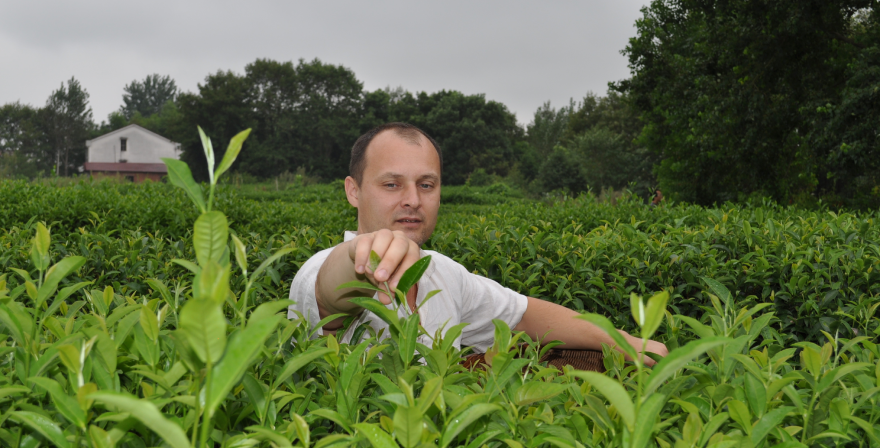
{"x":142,"y":147}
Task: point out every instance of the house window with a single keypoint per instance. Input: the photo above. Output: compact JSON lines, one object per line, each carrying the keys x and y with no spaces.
{"x":129,"y":178}
{"x":123,"y":144}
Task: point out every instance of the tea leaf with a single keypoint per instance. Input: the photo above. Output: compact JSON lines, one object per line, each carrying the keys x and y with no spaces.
{"x":377,"y":437}
{"x":605,"y":325}
{"x":534,"y":391}
{"x":267,"y":310}
{"x":243,"y":346}
{"x":299,"y":361}
{"x":374,"y":260}
{"x":677,"y":358}
{"x":210,"y":234}
{"x":240,"y":254}
{"x":203,"y":324}
{"x":208,"y":147}
{"x":464,"y":419}
{"x":614,"y":392}
{"x":43,"y":425}
{"x":147,"y":413}
{"x":412,"y":275}
{"x":180,"y":176}
{"x":231,"y":152}
{"x":654,"y":313}
{"x":407,"y":426}
{"x":66,"y":405}
{"x":769,"y":421}
{"x":57,"y":273}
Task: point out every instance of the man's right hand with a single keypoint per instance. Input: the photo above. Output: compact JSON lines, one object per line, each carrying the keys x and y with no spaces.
{"x":396,"y":251}
{"x":350,"y":261}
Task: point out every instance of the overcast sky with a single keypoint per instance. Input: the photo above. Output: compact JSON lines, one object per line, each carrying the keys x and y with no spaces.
{"x":518,"y":53}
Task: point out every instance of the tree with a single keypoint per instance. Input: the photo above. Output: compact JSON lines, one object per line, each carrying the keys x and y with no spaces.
{"x":147,"y":97}
{"x":724,"y":89}
{"x":548,"y":127}
{"x":67,"y":118}
{"x":22,"y":141}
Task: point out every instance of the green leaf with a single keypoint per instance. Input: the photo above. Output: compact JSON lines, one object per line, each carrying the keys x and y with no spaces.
{"x":534,"y":391}
{"x":407,"y":426}
{"x":240,"y":254}
{"x":378,"y":309}
{"x":40,"y":248}
{"x":100,"y":438}
{"x":412,"y":275}
{"x":212,"y":283}
{"x":613,"y":391}
{"x":268,"y":262}
{"x":839,"y":372}
{"x":701,"y":330}
{"x":57,"y":273}
{"x":637,"y":307}
{"x":204,"y":325}
{"x":188,"y":265}
{"x":274,"y":437}
{"x":180,"y":176}
{"x":464,"y":419}
{"x":374,"y":260}
{"x":740,"y":414}
{"x":66,"y":405}
{"x":147,"y":413}
{"x":267,"y":310}
{"x":208,"y":147}
{"x":646,"y":417}
{"x":605,"y":325}
{"x":43,"y":425}
{"x":769,"y":421}
{"x":231,"y":152}
{"x":210,"y":234}
{"x":654,"y":314}
{"x":720,"y":290}
{"x":408,"y":339}
{"x":359,"y":285}
{"x":677,"y":358}
{"x":299,"y":361}
{"x":756,"y":394}
{"x":377,"y":437}
{"x":149,"y":323}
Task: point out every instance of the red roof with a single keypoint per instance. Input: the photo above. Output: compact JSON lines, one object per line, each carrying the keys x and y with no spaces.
{"x":126,"y":167}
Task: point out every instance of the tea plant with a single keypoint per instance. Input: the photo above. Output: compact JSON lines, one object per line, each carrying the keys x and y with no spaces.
{"x":157,"y":335}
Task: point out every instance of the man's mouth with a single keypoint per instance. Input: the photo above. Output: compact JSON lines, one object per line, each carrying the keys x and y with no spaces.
{"x":409,"y":220}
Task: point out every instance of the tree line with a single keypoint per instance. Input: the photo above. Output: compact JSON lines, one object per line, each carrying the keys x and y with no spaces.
{"x":727,"y":100}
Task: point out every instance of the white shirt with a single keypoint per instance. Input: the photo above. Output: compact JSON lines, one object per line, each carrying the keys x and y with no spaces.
{"x":463,"y":297}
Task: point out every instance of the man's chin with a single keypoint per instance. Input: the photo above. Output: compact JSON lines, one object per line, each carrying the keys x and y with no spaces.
{"x":419,"y":235}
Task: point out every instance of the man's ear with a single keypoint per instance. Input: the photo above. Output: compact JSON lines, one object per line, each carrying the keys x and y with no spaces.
{"x":352,"y":191}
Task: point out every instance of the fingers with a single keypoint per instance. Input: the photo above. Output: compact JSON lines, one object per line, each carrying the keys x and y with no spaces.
{"x":396,"y":251}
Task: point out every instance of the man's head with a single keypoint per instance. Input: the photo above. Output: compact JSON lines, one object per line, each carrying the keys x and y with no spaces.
{"x":395,"y":181}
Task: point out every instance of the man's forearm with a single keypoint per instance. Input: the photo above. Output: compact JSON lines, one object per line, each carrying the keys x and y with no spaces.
{"x":549,"y":321}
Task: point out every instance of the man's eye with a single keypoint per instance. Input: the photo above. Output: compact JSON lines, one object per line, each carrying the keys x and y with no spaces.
{"x":426,"y":186}
{"x":390,"y":185}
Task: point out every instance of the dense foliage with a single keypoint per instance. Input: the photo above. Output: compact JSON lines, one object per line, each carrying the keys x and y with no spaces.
{"x":149,"y":330}
{"x":761,"y":98}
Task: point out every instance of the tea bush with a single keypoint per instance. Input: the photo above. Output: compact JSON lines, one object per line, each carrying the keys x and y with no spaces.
{"x":130,"y":318}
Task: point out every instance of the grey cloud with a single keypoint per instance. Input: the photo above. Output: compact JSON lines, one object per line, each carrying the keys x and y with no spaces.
{"x":518,"y":53}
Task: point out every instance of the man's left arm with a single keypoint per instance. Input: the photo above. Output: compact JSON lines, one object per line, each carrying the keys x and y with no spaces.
{"x":549,"y":321}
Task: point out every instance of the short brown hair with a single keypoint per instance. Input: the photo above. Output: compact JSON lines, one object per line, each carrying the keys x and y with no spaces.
{"x":405,"y":131}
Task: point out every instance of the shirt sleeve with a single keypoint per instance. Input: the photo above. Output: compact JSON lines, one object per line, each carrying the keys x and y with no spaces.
{"x":483,"y":300}
{"x":302,"y":291}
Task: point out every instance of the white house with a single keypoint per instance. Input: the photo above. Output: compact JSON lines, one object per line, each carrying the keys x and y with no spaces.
{"x":131,"y":152}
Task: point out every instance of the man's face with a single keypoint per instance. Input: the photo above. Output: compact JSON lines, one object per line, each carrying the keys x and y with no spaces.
{"x":400,"y":189}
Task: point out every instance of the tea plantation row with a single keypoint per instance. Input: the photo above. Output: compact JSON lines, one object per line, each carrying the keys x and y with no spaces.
{"x":770,"y":315}
{"x":820,"y":270}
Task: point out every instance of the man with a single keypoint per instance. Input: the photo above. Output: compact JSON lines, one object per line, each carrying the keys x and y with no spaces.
{"x":395,"y":185}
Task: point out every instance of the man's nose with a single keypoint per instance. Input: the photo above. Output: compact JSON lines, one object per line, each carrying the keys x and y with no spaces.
{"x":411,"y":197}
